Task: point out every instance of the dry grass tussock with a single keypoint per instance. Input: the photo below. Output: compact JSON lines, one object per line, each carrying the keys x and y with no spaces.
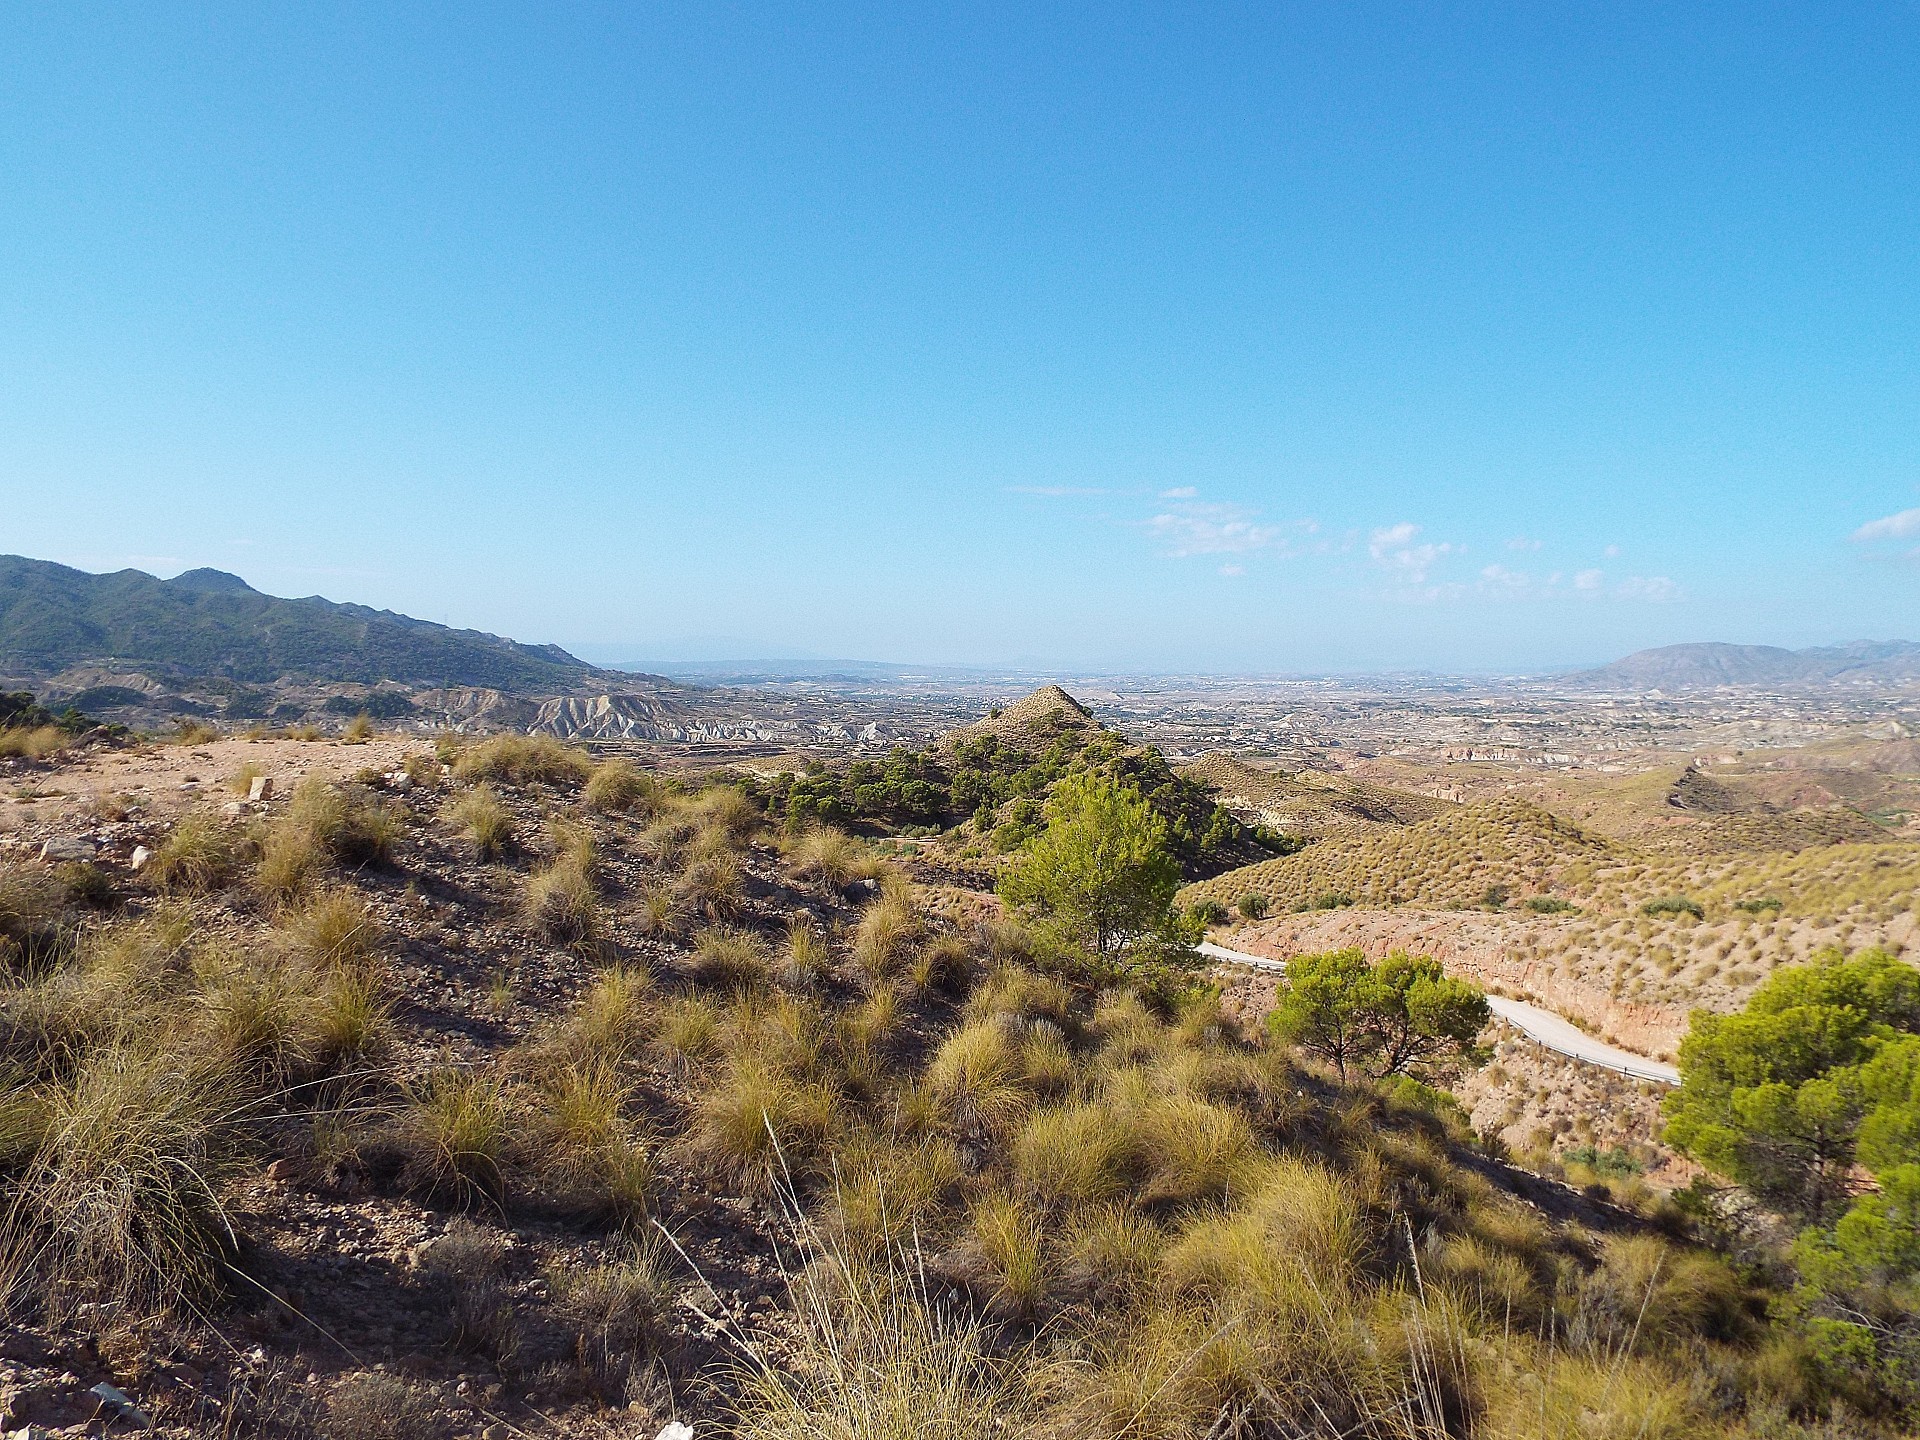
{"x":199,"y":855}
{"x":483,"y":821}
{"x":37,"y":742}
{"x":138,"y":1064}
{"x":523,"y":760}
{"x":323,"y":826}
{"x":616,"y":786}
{"x":562,"y":901}
{"x":831,"y":857}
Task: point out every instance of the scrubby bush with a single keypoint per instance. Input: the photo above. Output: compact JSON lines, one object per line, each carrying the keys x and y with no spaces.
{"x":374,"y":1405}
{"x":1403,"y":1014}
{"x":618,"y":1313}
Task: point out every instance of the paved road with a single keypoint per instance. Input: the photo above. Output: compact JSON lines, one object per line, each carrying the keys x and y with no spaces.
{"x":1541,"y":1026}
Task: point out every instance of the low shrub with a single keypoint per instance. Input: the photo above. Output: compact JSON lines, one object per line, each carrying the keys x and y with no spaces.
{"x":470,"y":1262}
{"x":1674,"y":905}
{"x":374,"y":1405}
{"x":617,"y":1312}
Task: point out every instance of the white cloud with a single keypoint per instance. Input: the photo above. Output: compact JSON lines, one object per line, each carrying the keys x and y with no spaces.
{"x":1233,"y":569}
{"x":1889,"y":527}
{"x":1655,"y":589}
{"x":1392,"y":549}
{"x":1184,"y":492}
{"x":1589,"y":580}
{"x":1612,"y":552}
{"x":1522,"y":542}
{"x":1212,"y":528}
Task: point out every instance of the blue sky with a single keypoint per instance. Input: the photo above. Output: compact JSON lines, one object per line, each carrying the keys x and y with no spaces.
{"x":1191,"y":337}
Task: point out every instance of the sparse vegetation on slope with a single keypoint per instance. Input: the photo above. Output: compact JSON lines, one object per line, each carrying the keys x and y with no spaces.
{"x":914,"y":1172}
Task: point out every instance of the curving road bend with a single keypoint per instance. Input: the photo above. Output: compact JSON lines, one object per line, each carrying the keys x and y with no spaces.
{"x":1543,"y":1027}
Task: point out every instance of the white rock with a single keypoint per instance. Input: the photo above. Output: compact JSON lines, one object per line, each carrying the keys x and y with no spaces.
{"x":675,"y":1430}
{"x":141,"y":855}
{"x":261,"y":789}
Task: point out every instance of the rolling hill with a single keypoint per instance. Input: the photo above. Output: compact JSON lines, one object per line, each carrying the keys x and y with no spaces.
{"x":209,"y":623}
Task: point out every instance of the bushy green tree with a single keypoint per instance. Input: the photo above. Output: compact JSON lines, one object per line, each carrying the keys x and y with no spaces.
{"x":1810,"y":1098}
{"x":1402,"y":1016}
{"x":1776,"y":1097}
{"x":1099,"y":879}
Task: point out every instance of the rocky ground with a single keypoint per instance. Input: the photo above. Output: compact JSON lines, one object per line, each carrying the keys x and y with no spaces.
{"x":340,"y":1277}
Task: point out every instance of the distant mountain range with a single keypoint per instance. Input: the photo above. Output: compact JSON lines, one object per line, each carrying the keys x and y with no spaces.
{"x":210,"y":623}
{"x":1703,"y":666}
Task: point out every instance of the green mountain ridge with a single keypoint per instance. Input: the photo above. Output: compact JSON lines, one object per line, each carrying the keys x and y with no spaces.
{"x":210,"y":623}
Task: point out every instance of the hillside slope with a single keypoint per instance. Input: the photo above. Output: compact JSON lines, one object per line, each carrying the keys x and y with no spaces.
{"x":1450,"y":859}
{"x":1305,"y":804}
{"x":207,"y":623}
{"x":1697,"y":666}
